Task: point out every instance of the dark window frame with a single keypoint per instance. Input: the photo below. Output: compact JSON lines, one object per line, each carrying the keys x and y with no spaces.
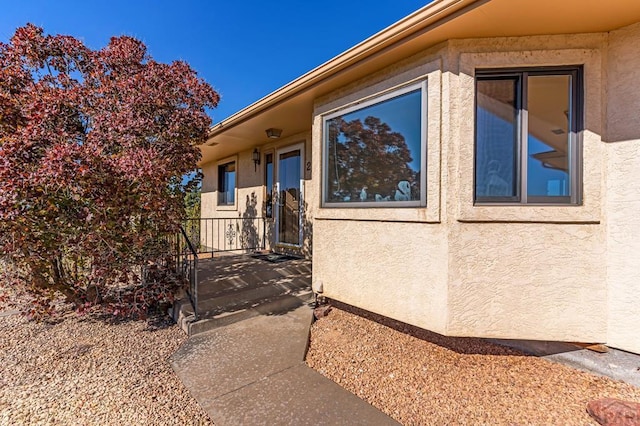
{"x":269,"y":175}
{"x":222,"y":184}
{"x":420,"y":85}
{"x":575,"y":135}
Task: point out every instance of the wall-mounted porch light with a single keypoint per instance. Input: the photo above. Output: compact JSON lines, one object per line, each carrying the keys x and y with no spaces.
{"x":255,"y":156}
{"x":273,"y":133}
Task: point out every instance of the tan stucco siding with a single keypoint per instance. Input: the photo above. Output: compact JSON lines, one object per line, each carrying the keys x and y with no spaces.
{"x":395,"y":269}
{"x":527,"y":281}
{"x":534,"y":272}
{"x":527,"y":272}
{"x":623,"y":188}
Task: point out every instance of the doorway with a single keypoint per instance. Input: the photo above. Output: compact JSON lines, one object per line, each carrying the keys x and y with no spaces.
{"x":289,"y":198}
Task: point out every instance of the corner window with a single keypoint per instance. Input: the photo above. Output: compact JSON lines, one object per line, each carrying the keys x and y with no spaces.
{"x":526,"y":136}
{"x":375,"y":152}
{"x":227,"y":184}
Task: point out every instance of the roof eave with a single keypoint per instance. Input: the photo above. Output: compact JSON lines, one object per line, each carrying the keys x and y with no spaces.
{"x":432,"y":13}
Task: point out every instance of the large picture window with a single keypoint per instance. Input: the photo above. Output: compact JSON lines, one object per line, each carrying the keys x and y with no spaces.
{"x":375,"y":152}
{"x":227,"y":184}
{"x":527,"y":146}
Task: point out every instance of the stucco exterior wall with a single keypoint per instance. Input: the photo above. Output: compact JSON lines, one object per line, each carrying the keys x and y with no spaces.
{"x":391,"y":261}
{"x":250,"y":188}
{"x":528,"y":272}
{"x":525,"y":271}
{"x":394,"y":269}
{"x":623,"y":188}
{"x":567,"y":273}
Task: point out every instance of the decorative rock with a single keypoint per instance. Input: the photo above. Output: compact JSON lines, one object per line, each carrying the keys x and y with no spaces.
{"x":614,"y":412}
{"x":321,"y":311}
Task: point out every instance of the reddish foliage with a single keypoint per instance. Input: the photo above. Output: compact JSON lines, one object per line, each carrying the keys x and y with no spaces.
{"x":93,"y":147}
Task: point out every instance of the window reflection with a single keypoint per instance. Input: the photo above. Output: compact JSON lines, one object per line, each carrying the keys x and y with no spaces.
{"x":289,"y":197}
{"x":268,"y":170}
{"x":548,"y":135}
{"x":526,"y":148}
{"x":227,"y":184}
{"x":375,"y":153}
{"x":496,"y":138}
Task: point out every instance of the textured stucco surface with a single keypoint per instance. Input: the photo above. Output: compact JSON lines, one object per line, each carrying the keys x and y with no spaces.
{"x":527,"y":281}
{"x":535,"y":272}
{"x":395,"y":269}
{"x":390,"y":261}
{"x":623,"y":189}
{"x":567,"y":273}
{"x":532,"y":272}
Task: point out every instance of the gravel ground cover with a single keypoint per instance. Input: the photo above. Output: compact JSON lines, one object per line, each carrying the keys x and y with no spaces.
{"x":421,"y":378}
{"x":86,"y":371}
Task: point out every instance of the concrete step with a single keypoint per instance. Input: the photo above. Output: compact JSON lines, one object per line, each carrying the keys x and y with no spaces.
{"x":276,"y":304}
{"x":249,"y":296}
{"x":233,"y":288}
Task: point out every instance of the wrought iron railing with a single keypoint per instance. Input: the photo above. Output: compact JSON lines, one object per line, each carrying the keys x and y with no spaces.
{"x":186,"y":264}
{"x":210,"y":235}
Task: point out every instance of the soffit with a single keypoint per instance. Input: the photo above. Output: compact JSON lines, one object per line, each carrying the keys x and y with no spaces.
{"x":290,"y":108}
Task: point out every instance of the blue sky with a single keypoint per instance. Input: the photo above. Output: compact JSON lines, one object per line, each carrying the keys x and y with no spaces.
{"x":244,"y":49}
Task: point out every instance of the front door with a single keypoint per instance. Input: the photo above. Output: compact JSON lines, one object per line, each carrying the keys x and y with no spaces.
{"x":289,"y":202}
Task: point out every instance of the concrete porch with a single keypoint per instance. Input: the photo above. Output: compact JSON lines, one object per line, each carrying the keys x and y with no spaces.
{"x":233,"y":287}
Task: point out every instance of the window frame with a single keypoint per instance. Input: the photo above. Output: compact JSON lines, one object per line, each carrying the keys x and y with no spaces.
{"x":219,"y":167}
{"x":268,"y":201}
{"x":576,"y":123}
{"x":372,"y":100}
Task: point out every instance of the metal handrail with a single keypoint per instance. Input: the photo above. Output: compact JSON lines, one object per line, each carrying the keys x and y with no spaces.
{"x":210,"y":235}
{"x":187,"y":265}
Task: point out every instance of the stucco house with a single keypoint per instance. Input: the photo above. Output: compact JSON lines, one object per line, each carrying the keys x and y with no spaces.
{"x":473,"y":169}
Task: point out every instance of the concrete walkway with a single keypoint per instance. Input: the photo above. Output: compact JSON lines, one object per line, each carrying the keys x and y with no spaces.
{"x":614,"y":363}
{"x":252,"y":372}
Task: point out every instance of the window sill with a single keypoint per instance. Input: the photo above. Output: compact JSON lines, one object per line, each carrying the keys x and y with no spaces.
{"x":529,"y":213}
{"x":226,"y":207}
{"x":391,"y":214}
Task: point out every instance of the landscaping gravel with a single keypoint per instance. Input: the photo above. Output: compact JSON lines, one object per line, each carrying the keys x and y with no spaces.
{"x":422,"y":378}
{"x":86,"y":371}
{"x":91,"y":371}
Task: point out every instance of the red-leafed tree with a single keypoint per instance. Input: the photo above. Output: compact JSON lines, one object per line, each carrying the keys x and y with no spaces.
{"x":93,"y":147}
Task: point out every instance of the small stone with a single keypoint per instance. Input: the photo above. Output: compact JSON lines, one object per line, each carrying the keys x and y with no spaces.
{"x":322,"y":311}
{"x":614,"y":412}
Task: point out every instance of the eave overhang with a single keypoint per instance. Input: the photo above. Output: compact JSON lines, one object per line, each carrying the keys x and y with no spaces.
{"x":291,"y":107}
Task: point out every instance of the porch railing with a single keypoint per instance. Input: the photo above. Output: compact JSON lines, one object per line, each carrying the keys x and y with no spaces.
{"x":211,"y":235}
{"x":186,"y":264}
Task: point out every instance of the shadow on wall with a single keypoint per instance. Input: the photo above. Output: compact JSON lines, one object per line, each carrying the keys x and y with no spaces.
{"x":307,"y":232}
{"x":258,"y":231}
{"x":252,"y":233}
{"x":460,"y":345}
